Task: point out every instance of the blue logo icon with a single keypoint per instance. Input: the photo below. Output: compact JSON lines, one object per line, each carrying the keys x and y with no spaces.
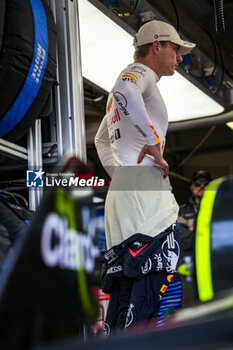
{"x":35,"y":178}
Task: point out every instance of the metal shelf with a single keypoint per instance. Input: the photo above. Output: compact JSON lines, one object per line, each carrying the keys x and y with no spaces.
{"x":68,"y":133}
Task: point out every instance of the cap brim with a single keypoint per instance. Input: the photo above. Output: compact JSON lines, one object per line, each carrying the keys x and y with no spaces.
{"x":186,"y":47}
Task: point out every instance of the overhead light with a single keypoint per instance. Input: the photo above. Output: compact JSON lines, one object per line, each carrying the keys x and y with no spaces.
{"x":184,"y":100}
{"x":230,"y":125}
{"x":106,"y":49}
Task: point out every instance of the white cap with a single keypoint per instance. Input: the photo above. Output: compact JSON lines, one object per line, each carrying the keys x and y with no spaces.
{"x":161,"y":31}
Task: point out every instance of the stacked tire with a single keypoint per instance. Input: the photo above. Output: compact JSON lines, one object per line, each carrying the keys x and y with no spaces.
{"x":27,"y":64}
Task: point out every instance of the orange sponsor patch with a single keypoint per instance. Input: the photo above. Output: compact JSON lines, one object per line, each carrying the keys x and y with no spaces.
{"x":157,"y":139}
{"x":109,"y":105}
{"x":163,"y":288}
{"x":132,"y":76}
{"x":169,"y":278}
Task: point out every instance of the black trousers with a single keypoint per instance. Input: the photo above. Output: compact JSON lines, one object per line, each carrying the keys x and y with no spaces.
{"x":137,"y":277}
{"x":119,"y":302}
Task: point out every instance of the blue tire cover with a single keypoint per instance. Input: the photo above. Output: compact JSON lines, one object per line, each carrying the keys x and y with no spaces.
{"x":28,"y":60}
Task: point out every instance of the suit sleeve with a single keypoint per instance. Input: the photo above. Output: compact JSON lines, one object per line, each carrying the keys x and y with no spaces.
{"x":131,"y":89}
{"x":103,"y":147}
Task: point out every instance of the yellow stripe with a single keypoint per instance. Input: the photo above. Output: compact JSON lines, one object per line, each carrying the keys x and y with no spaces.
{"x":202,"y":245}
{"x":130,"y":76}
{"x":134,"y":75}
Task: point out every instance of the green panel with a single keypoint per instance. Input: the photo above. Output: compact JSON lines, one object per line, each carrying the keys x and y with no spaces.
{"x":66,"y":207}
{"x":203,"y":248}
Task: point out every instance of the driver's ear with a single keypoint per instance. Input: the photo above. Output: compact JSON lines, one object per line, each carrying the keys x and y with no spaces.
{"x":156,"y":47}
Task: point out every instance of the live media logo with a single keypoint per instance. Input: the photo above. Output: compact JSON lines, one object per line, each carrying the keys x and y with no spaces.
{"x":38,"y":178}
{"x":35,"y":178}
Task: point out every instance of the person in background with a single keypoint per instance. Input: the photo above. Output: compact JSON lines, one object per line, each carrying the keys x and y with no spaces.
{"x":187,"y":220}
{"x":140,"y":209}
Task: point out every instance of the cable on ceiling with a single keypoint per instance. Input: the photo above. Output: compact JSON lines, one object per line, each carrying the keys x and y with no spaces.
{"x":219,"y":16}
{"x":177,"y":16}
